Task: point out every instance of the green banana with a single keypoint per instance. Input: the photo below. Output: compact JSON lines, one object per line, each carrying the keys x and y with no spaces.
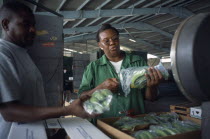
{"x":175,"y":130}
{"x":161,"y":133}
{"x":150,"y":136}
{"x":94,"y":100}
{"x":105,"y":92}
{"x":98,"y":96}
{"x":169,"y":131}
{"x":138,"y":79}
{"x":143,"y":135}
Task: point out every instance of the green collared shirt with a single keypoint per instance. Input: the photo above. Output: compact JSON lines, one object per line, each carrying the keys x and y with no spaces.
{"x":100,"y":70}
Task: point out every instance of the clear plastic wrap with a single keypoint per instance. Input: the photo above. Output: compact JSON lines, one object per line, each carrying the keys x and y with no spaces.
{"x":164,"y":131}
{"x":155,"y":125}
{"x":155,"y":119}
{"x":99,"y":102}
{"x":161,"y":125}
{"x":185,"y":126}
{"x":134,"y":77}
{"x":145,"y":134}
{"x":128,"y":123}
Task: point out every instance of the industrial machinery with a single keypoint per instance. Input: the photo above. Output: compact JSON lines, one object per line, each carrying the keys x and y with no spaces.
{"x":190,"y":59}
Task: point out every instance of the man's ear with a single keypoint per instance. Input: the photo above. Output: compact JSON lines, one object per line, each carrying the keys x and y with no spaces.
{"x":5,"y":24}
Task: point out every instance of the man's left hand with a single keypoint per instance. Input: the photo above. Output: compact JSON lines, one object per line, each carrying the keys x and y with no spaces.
{"x":154,"y":77}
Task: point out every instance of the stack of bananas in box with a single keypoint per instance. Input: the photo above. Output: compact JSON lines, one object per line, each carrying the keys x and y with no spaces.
{"x":160,"y":125}
{"x":128,"y":124}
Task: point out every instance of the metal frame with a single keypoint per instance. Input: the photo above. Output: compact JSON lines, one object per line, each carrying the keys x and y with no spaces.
{"x":177,"y":11}
{"x":139,"y":26}
{"x":43,"y":7}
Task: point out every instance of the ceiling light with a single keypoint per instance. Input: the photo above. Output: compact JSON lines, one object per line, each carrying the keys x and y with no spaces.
{"x":151,"y":56}
{"x":124,"y":48}
{"x":132,"y":40}
{"x":166,"y":60}
{"x":67,"y":52}
{"x":67,"y":19}
{"x":71,"y":50}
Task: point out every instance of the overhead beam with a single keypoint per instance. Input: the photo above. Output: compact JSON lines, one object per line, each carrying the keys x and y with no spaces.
{"x":176,"y":11}
{"x":97,"y":8}
{"x":78,"y":22}
{"x":92,"y":37}
{"x":147,"y":43}
{"x":103,"y":4}
{"x":149,"y":16}
{"x":80,"y":37}
{"x":115,"y":7}
{"x":138,"y":25}
{"x":60,"y":5}
{"x":79,"y":8}
{"x":145,"y":6}
{"x":35,"y":7}
{"x":43,"y":7}
{"x":132,"y":6}
{"x":83,"y":5}
{"x":155,"y":29}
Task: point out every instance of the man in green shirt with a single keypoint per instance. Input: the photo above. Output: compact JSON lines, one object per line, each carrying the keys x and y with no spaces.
{"x":103,"y":74}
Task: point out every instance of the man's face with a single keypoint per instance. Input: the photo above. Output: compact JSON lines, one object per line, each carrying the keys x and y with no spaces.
{"x":109,"y":43}
{"x":22,"y":29}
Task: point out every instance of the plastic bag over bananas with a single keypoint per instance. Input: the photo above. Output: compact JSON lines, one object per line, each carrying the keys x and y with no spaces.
{"x":134,"y":77}
{"x":99,"y":102}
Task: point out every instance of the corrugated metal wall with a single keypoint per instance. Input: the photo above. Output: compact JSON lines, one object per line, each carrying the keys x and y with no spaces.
{"x":47,"y":53}
{"x":80,"y":62}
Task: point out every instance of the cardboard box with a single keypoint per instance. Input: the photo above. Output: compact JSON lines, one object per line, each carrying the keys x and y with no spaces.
{"x":35,"y":130}
{"x":105,"y":126}
{"x":196,"y":112}
{"x":76,"y":128}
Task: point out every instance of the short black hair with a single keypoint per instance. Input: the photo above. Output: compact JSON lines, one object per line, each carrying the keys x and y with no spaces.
{"x":105,"y":27}
{"x":15,"y":7}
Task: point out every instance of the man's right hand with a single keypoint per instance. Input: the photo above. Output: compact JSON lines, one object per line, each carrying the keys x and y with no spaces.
{"x":76,"y":108}
{"x":112,"y":84}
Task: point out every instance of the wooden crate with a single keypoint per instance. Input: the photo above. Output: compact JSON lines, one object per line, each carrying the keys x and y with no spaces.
{"x":183,"y":108}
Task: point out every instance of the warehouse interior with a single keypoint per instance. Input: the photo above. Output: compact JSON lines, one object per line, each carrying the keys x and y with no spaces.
{"x":66,"y":40}
{"x":146,"y":28}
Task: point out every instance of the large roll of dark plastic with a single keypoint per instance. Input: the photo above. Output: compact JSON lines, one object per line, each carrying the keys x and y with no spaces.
{"x":190,"y":56}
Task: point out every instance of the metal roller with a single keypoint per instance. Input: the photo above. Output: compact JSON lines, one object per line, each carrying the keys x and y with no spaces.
{"x":190,"y":57}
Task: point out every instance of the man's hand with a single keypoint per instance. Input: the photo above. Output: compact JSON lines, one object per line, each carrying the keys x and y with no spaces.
{"x":154,"y":77}
{"x":112,"y":84}
{"x":76,"y":108}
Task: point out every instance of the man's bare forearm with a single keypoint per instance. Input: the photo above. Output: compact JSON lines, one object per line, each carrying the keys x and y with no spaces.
{"x":15,"y":112}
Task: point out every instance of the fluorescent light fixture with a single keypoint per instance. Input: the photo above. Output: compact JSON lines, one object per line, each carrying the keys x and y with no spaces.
{"x":124,"y":48}
{"x":132,"y":40}
{"x":67,"y":19}
{"x":166,"y":60}
{"x":67,"y":52}
{"x":71,"y":50}
{"x":80,"y":52}
{"x":151,"y":56}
